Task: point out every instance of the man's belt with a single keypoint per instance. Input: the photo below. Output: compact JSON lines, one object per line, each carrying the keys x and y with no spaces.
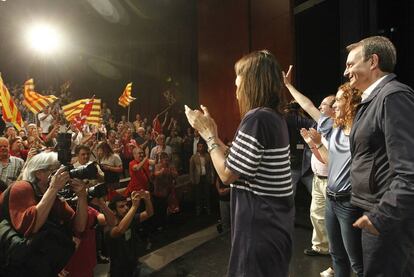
{"x":338,"y":196}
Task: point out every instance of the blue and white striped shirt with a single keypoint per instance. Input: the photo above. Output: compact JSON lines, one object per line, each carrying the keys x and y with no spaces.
{"x":260,"y":154}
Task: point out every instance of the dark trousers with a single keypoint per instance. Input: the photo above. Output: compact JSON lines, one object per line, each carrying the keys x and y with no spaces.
{"x":203,"y":193}
{"x":160,"y":210}
{"x":391,"y":253}
{"x":261,"y":235}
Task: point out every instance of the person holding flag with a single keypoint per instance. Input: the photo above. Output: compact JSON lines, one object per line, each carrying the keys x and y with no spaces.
{"x":80,"y":119}
{"x":10,"y":112}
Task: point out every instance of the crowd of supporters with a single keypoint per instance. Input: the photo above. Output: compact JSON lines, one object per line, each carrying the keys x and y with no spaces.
{"x":139,"y":164}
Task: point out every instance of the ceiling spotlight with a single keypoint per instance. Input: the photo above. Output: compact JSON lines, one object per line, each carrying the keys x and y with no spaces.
{"x":44,"y":39}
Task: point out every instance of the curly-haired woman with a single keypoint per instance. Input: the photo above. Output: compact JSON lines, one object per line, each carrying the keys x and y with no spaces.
{"x":344,"y":239}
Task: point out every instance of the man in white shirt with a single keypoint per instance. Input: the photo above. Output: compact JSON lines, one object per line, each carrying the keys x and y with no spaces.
{"x":45,"y":119}
{"x":202,"y":175}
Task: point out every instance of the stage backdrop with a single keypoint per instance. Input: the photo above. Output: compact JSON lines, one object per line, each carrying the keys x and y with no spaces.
{"x":226,"y":31}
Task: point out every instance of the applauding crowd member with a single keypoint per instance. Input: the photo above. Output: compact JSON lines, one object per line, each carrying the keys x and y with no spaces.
{"x":124,"y":243}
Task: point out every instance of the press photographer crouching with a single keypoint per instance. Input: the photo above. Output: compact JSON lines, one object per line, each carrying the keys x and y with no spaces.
{"x":123,"y":240}
{"x":44,"y":224}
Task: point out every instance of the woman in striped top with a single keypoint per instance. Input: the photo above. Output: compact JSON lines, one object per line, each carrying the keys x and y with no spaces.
{"x":256,"y":168}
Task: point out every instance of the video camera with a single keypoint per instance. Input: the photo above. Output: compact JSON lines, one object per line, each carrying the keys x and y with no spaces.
{"x":97,"y":191}
{"x":88,"y":171}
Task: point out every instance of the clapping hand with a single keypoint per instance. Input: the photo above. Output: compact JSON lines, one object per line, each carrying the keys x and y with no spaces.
{"x":145,"y":195}
{"x":135,"y":198}
{"x":305,"y":135}
{"x":315,"y":136}
{"x":202,"y":122}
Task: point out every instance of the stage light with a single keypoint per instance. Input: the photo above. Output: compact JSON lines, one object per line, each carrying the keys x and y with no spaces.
{"x":44,"y":39}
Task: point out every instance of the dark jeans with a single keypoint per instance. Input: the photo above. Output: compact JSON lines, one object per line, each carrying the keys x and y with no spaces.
{"x":344,"y":240}
{"x":391,"y":253}
{"x":130,"y":270}
{"x":203,"y":193}
{"x":160,"y":211}
{"x":298,"y":177}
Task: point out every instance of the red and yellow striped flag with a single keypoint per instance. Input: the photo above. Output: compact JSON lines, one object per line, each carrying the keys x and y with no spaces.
{"x":9,"y":109}
{"x":36,"y":102}
{"x":80,"y":119}
{"x":75,"y":108}
{"x":126,"y":97}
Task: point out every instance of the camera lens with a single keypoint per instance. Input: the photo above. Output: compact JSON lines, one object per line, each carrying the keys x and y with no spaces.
{"x":88,"y":171}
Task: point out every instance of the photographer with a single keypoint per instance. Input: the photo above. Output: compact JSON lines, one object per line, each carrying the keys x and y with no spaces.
{"x":83,"y":262}
{"x":83,"y":154}
{"x":36,"y":213}
{"x":123,"y":239}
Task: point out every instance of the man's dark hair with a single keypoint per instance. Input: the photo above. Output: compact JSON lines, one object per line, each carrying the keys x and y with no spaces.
{"x":382,"y":47}
{"x":115,"y":199}
{"x":7,"y":128}
{"x":80,"y":147}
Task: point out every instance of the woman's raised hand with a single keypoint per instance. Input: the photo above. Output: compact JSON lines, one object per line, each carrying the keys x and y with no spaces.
{"x":287,"y":77}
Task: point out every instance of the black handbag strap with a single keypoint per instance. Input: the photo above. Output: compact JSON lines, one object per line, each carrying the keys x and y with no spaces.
{"x":5,"y":205}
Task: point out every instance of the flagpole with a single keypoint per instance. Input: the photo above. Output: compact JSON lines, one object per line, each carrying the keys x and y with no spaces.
{"x":129,"y":107}
{"x":165,"y":110}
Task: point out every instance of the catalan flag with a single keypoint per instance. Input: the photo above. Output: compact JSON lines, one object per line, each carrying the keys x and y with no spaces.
{"x":75,"y":108}
{"x":36,"y":102}
{"x":80,"y":119}
{"x":126,"y":97}
{"x":9,"y":109}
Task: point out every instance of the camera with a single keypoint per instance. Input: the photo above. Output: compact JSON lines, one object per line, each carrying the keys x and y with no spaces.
{"x":87,"y":171}
{"x":98,"y":191}
{"x":64,"y":141}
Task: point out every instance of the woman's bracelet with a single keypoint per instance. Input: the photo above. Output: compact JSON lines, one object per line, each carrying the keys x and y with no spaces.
{"x":210,"y":139}
{"x":213,"y":146}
